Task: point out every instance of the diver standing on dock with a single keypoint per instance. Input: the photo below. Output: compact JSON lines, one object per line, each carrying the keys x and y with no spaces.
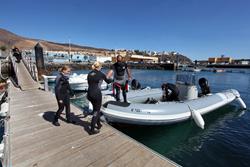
{"x":17,"y":54}
{"x":94,"y":95}
{"x":63,"y":93}
{"x":120,"y":81}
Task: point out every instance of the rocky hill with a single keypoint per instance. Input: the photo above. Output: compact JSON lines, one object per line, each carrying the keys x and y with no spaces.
{"x":10,"y":39}
{"x":175,"y":57}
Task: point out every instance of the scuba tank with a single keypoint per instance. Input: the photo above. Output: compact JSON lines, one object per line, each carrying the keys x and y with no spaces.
{"x":204,"y":86}
{"x":135,"y":85}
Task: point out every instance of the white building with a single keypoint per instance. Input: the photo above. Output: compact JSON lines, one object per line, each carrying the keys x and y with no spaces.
{"x":245,"y":62}
{"x":140,"y":58}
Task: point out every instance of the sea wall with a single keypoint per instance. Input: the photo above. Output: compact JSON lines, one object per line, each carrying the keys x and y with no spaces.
{"x":228,"y":66}
{"x":87,"y":66}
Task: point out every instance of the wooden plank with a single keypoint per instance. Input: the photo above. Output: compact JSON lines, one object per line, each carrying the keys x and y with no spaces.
{"x":86,"y":152}
{"x":58,"y":149}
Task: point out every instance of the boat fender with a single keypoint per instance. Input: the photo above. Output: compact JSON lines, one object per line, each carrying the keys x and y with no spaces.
{"x":4,"y":109}
{"x":242,"y":103}
{"x":1,"y":147}
{"x":198,"y":118}
{"x":90,"y":107}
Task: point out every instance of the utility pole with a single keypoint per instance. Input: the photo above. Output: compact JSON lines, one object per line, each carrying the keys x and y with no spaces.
{"x":70,"y":51}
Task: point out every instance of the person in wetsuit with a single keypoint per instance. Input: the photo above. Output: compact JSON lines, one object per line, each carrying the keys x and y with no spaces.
{"x":120,"y":81}
{"x":17,"y":54}
{"x":94,"y":95}
{"x":63,"y":93}
{"x":170,"y":92}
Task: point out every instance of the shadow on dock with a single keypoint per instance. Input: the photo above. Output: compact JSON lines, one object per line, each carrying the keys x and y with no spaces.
{"x":49,"y":116}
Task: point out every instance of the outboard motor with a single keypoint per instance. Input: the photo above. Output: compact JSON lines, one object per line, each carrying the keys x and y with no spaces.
{"x":170,"y":92}
{"x":204,"y":86}
{"x":135,"y":85}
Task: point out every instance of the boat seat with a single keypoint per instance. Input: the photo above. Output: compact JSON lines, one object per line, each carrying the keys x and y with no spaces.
{"x":117,"y":103}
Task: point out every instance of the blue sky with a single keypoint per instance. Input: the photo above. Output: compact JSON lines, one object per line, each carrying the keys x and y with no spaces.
{"x":196,"y":28}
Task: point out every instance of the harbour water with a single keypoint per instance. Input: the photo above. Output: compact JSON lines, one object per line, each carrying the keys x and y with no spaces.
{"x":223,"y":142}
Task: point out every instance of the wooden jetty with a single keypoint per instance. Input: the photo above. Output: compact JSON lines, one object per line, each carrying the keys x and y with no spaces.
{"x":35,"y":142}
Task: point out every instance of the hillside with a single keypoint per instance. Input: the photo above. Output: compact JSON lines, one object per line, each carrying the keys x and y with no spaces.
{"x":10,"y":39}
{"x":173,"y":58}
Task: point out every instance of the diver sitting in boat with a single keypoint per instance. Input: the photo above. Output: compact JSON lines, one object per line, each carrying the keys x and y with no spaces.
{"x":170,"y":92}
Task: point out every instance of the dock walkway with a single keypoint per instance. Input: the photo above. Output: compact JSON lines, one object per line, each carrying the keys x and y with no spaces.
{"x":24,"y":78}
{"x":35,"y":142}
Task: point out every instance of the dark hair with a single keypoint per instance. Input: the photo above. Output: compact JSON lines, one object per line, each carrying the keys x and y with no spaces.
{"x":63,"y":68}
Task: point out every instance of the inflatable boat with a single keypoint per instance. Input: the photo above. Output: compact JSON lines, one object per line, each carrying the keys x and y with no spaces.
{"x":140,"y":110}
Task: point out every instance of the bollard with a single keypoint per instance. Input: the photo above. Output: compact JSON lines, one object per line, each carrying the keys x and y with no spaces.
{"x":39,"y":60}
{"x":46,"y":84}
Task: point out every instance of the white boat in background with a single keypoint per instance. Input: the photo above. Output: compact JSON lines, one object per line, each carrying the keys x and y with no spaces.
{"x":51,"y":79}
{"x":80,"y":82}
{"x":196,"y":69}
{"x":191,"y":69}
{"x":136,"y":112}
{"x":77,"y":82}
{"x":218,"y":70}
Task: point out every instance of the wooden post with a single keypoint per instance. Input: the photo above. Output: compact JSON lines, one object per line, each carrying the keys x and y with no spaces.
{"x":39,"y":60}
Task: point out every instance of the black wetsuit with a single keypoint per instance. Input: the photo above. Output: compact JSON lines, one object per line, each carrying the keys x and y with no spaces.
{"x":94,"y":95}
{"x":120,"y":68}
{"x":17,"y":54}
{"x":171,"y":95}
{"x":120,"y":82}
{"x":63,"y":92}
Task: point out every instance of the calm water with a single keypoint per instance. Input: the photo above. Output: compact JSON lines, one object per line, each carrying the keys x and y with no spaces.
{"x":225,"y":141}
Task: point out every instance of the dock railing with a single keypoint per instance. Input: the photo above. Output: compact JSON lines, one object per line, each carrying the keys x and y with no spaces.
{"x":29,"y":62}
{"x":46,"y":81}
{"x":13,"y":62}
